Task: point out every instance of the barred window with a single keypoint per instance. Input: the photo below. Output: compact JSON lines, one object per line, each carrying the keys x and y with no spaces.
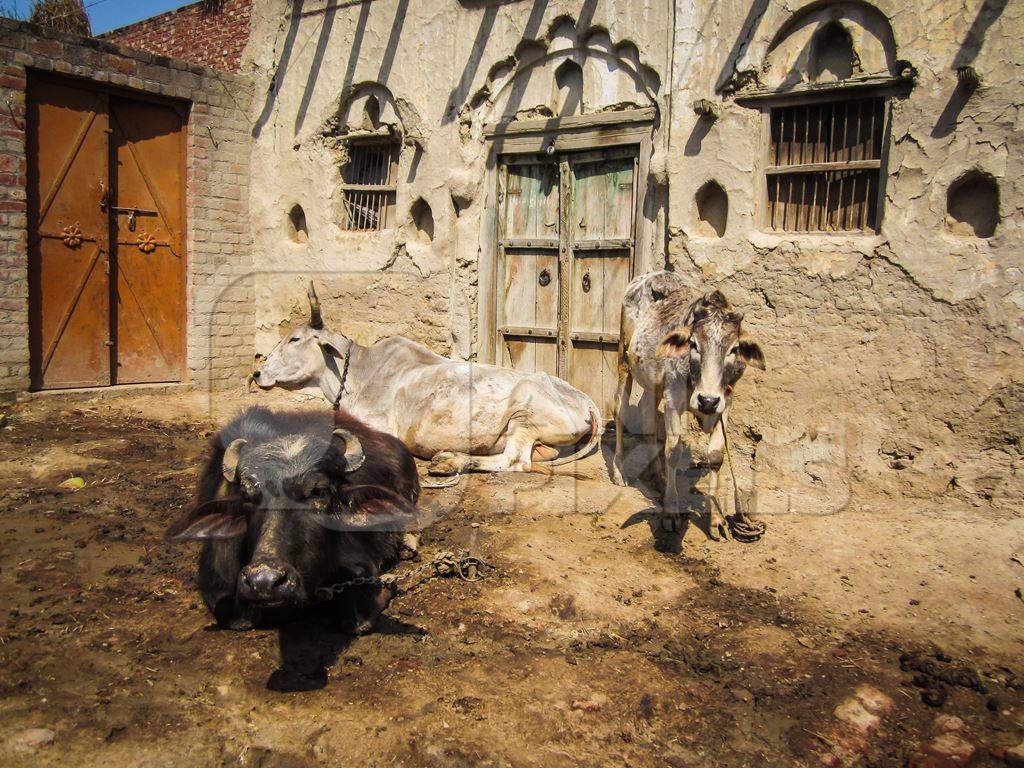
{"x":825,"y":166}
{"x":368,"y":185}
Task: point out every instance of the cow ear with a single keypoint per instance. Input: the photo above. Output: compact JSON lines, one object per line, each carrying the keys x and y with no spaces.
{"x":751,"y":353}
{"x":217,"y":524}
{"x":676,"y":344}
{"x":354,"y":456}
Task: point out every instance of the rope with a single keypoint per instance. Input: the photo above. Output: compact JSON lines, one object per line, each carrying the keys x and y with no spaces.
{"x":743,"y":527}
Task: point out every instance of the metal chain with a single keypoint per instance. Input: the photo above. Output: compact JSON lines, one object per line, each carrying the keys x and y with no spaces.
{"x":462,"y":564}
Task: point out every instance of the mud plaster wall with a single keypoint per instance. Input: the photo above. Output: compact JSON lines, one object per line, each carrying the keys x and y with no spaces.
{"x":444,"y":66}
{"x":893,"y":360}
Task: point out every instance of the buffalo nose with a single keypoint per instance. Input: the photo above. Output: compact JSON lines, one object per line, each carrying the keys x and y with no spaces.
{"x":264,"y":580}
{"x":707,"y":404}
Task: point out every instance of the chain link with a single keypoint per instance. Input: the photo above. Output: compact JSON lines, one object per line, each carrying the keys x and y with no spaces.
{"x":462,"y":564}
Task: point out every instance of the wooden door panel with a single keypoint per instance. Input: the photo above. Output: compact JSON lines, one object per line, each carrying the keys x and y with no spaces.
{"x":531,"y":201}
{"x":528,"y":291}
{"x":603,"y":199}
{"x":602,"y":250}
{"x":68,"y":257}
{"x":565,"y":230}
{"x":149,"y":258}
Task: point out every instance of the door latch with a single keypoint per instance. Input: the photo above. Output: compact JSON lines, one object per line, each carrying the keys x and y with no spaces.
{"x":545,"y":277}
{"x":586,"y":282}
{"x":133,"y":213}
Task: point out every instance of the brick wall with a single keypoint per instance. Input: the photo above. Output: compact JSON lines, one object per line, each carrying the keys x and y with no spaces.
{"x":209,"y":33}
{"x":219,"y":253}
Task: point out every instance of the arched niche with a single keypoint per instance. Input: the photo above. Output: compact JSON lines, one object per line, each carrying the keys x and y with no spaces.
{"x":566,"y":73}
{"x":298,"y":232}
{"x":827,"y":41}
{"x":422,"y":220}
{"x":369,"y":109}
{"x":972,"y":206}
{"x":712,"y":210}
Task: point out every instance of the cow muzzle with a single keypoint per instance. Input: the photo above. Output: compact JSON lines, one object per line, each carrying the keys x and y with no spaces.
{"x":268,"y":584}
{"x":708,"y":404}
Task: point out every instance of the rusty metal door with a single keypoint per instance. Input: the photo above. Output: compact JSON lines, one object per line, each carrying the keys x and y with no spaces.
{"x":69,"y":266}
{"x":146,"y":219}
{"x":106,"y":263}
{"x":565,"y":248}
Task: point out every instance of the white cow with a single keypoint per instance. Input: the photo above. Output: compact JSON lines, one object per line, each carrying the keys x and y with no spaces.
{"x":464,"y":416}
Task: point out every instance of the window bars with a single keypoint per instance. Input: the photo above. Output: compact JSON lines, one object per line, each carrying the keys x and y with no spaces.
{"x":825,"y":165}
{"x":368,"y":185}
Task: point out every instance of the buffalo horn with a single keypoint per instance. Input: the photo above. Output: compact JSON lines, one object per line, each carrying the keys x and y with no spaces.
{"x":230,"y":464}
{"x":354,"y":456}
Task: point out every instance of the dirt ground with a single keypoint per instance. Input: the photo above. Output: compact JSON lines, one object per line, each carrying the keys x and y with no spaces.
{"x":592,"y":641}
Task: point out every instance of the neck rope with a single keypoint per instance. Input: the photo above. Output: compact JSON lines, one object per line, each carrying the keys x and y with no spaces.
{"x":343,"y":378}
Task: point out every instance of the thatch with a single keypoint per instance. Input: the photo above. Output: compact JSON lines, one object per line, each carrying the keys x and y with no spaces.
{"x":62,"y":15}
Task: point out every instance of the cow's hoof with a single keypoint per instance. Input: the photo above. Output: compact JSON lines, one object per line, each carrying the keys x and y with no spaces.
{"x":718,"y":528}
{"x":445,"y":463}
{"x":672,"y":523}
{"x":617,"y":477}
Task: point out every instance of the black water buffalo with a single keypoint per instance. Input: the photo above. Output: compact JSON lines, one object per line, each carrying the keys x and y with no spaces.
{"x":290,"y":502}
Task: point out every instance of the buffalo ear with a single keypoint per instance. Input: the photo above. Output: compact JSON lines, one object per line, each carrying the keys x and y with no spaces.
{"x":214,"y":525}
{"x":751,"y":353}
{"x":354,"y":456}
{"x":676,"y":344}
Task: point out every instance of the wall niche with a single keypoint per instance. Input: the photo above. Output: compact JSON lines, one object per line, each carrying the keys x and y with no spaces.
{"x":422,"y":221}
{"x":712,"y":210}
{"x":297,"y":230}
{"x":832,"y":56}
{"x":972,"y":205}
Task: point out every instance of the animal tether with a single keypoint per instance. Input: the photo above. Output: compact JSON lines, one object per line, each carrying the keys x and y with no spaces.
{"x":743,"y":527}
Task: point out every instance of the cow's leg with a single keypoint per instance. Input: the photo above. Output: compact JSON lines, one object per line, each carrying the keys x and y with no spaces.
{"x":622,"y":395}
{"x":656,"y":433}
{"x":717,"y":526}
{"x":520,"y":438}
{"x":671,"y":519}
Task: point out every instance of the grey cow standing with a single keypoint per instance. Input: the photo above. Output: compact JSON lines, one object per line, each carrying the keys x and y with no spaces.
{"x":689,"y":356}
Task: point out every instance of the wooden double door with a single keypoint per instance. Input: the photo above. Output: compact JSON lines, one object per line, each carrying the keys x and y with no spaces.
{"x":106,"y":236}
{"x":566,"y":240}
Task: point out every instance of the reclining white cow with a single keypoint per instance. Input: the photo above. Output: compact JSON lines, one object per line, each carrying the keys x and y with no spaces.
{"x":464,"y":416}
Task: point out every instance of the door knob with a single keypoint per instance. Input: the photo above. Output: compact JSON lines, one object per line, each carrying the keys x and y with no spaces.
{"x":545,"y":277}
{"x":586,"y":282}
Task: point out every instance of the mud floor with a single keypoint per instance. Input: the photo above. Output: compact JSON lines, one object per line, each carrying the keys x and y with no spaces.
{"x":590,"y":642}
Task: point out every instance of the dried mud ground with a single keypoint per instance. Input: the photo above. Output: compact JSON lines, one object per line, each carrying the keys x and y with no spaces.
{"x":585,"y":645}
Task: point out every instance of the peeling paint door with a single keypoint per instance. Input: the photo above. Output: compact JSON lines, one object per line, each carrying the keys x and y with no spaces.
{"x":106,"y":220}
{"x":565,"y":245}
{"x":601,"y":220}
{"x":528,"y":246}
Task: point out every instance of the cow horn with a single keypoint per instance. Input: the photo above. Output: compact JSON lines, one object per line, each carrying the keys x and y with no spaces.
{"x":315,"y":320}
{"x":354,"y":456}
{"x":229,"y":466}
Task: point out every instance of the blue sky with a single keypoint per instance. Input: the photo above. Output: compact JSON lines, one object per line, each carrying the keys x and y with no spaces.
{"x":107,"y":14}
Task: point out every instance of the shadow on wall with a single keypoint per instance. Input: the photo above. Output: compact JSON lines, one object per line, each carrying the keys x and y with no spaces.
{"x":968,"y":51}
{"x":325,"y":27}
